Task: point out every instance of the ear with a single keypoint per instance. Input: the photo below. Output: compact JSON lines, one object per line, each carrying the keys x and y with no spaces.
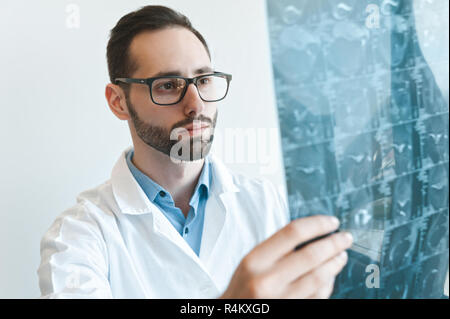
{"x":115,"y":97}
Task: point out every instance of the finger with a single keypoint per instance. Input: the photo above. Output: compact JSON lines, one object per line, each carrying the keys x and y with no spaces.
{"x":311,"y":282}
{"x":296,"y":232}
{"x":324,"y":292}
{"x":302,"y":261}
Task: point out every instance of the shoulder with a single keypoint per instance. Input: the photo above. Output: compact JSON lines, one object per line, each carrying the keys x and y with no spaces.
{"x":261,"y":202}
{"x":259,"y":185}
{"x":262,"y":190}
{"x":83,"y":220}
{"x":86,"y":219}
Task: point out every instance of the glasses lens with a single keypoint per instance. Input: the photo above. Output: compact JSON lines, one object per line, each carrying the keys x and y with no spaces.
{"x":167,"y":90}
{"x":212,"y":87}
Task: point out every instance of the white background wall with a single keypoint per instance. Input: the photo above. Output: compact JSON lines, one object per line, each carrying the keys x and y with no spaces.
{"x":58,"y":136}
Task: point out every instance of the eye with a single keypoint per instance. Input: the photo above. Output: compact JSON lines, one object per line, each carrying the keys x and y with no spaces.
{"x":205,"y":80}
{"x":168,"y":85}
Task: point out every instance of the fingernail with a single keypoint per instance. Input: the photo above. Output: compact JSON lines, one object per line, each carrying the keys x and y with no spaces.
{"x":348,"y":237}
{"x":343,"y":255}
{"x":334,"y":221}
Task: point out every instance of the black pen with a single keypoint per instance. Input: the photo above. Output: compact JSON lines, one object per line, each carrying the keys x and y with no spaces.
{"x":314,"y":239}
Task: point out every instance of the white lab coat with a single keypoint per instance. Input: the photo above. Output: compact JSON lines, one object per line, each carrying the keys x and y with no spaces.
{"x":115,"y":243}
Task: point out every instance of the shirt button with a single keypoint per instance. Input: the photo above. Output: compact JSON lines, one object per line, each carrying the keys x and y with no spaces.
{"x":186,"y":231}
{"x":162,"y":194}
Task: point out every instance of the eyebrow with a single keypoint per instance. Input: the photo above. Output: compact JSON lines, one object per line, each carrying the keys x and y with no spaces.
{"x":205,"y":69}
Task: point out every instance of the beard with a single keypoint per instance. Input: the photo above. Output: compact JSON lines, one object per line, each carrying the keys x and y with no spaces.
{"x":176,"y":141}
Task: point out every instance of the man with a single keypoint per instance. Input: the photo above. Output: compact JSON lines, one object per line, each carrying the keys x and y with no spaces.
{"x":173,"y":222}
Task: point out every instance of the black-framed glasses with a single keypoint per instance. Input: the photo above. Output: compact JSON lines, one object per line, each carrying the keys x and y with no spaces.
{"x":169,"y":90}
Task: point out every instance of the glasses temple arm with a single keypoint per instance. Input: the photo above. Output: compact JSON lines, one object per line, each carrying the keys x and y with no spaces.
{"x":128,"y":80}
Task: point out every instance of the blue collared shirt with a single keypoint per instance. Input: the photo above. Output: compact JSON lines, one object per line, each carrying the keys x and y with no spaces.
{"x":190,"y":227}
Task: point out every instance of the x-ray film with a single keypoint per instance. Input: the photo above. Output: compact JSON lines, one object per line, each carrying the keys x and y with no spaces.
{"x":364,"y":127}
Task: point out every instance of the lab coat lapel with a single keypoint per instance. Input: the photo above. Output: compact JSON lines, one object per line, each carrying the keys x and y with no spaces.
{"x":163,"y":227}
{"x":215,"y":216}
{"x":222,"y":187}
{"x":132,"y":200}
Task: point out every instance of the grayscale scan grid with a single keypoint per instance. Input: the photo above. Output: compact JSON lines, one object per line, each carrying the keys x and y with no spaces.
{"x":364,"y":130}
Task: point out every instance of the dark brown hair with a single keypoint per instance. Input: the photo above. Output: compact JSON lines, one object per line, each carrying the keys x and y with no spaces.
{"x":147,"y":18}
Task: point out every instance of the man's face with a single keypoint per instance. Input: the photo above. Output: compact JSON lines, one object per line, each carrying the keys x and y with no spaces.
{"x":178,"y":51}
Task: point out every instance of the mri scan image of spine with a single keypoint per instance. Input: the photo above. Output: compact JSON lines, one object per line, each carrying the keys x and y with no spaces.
{"x":362,"y":100}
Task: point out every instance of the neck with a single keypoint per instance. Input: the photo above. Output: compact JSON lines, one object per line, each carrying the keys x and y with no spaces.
{"x":179,"y":179}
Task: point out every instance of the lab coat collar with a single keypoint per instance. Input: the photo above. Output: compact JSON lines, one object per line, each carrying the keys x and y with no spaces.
{"x":132,"y":200}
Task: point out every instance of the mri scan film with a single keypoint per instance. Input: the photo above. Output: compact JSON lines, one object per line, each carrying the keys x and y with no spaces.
{"x":364,"y":125}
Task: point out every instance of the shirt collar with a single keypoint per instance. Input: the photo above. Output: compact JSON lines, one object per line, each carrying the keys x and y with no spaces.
{"x":150,"y":188}
{"x":131,"y":199}
{"x":153,"y":189}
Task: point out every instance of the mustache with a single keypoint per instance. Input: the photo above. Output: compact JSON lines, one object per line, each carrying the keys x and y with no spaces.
{"x":201,"y":118}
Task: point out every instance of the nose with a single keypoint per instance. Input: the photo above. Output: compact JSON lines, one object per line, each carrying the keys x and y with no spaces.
{"x":193,"y":104}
